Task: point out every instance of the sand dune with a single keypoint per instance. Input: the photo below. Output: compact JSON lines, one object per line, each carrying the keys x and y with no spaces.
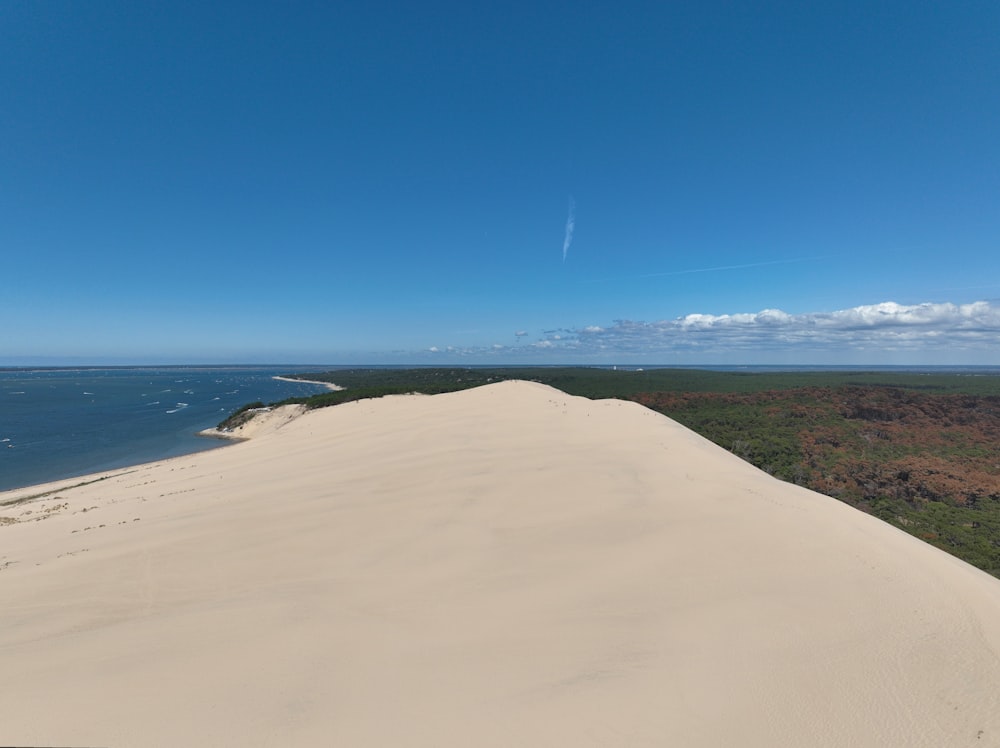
{"x":506,"y":566}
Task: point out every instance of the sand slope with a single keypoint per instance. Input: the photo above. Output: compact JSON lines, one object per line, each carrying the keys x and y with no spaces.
{"x":506,"y":566}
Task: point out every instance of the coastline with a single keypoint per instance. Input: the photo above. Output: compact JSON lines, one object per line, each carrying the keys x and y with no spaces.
{"x":264,"y":420}
{"x":503,"y":556}
{"x":75,"y":422}
{"x":329,"y":385}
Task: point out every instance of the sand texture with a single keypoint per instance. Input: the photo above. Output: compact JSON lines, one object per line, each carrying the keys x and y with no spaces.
{"x":264,"y":422}
{"x":505,"y":566}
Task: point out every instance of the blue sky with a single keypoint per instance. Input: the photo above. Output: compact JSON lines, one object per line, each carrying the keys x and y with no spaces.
{"x":675,"y":183}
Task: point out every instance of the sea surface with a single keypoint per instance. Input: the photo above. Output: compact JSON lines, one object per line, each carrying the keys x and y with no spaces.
{"x":62,"y":423}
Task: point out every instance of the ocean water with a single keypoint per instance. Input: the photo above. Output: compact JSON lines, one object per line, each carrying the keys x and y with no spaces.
{"x":61,"y":423}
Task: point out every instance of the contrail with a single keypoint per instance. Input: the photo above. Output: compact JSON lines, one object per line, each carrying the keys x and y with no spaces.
{"x":570,"y":225}
{"x":713,"y":269}
{"x":727,"y":267}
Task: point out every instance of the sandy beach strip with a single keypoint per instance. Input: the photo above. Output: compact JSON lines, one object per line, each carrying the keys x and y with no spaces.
{"x":328,"y":385}
{"x":502,"y":566}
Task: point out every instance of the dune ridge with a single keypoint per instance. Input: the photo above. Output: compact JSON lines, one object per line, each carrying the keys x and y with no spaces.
{"x":508,"y":565}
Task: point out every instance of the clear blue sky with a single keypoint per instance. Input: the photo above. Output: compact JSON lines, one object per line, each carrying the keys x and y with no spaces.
{"x":517,"y":182}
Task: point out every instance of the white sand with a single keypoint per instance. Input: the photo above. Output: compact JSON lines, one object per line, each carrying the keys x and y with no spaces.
{"x":328,"y":385}
{"x":506,"y":566}
{"x":264,"y":421}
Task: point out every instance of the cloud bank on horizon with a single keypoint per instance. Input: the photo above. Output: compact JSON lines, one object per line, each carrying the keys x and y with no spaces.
{"x":914,"y":333}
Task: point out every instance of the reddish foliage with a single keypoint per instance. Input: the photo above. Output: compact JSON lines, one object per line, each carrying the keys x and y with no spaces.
{"x":864,"y":442}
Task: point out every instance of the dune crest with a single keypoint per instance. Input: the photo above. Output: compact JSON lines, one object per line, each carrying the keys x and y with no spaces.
{"x":502,"y":566}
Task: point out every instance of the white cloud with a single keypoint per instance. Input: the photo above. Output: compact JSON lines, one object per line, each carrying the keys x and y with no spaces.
{"x":871,"y":334}
{"x":891,"y":313}
{"x":888,"y":325}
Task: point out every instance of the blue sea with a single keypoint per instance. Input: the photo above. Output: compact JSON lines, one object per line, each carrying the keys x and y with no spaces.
{"x":61,"y":423}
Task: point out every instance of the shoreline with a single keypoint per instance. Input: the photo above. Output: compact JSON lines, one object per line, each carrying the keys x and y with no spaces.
{"x":45,"y":436}
{"x":269,"y":419}
{"x":329,"y":385}
{"x":223,"y":436}
{"x":264,"y":420}
{"x":241,"y":434}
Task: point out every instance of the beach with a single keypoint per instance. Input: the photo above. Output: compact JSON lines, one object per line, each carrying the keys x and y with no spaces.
{"x":61,"y":423}
{"x":329,"y":385}
{"x":507,"y":565}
